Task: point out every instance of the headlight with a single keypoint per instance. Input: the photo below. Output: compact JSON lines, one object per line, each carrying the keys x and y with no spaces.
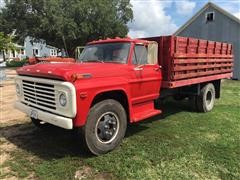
{"x":63,"y":99}
{"x":18,"y":90}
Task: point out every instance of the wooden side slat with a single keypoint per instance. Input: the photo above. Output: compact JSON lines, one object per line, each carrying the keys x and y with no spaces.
{"x":184,"y":68}
{"x":196,"y":74}
{"x":186,"y":61}
{"x":202,"y":56}
{"x":185,"y":82}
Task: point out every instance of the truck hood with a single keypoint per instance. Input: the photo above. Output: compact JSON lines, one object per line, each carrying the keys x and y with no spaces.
{"x":64,"y":71}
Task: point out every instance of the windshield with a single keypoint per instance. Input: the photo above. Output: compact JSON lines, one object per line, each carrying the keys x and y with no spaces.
{"x":108,"y":52}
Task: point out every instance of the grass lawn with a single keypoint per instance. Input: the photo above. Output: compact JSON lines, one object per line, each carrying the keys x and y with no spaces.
{"x":179,"y":144}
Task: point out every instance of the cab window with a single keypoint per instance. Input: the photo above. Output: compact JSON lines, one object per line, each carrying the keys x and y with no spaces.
{"x":140,"y":54}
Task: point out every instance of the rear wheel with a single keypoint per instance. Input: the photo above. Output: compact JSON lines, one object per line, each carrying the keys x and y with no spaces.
{"x":206,"y":99}
{"x":105,"y":127}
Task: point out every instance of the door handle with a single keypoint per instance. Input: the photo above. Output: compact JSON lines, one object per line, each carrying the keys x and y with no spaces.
{"x":139,"y":68}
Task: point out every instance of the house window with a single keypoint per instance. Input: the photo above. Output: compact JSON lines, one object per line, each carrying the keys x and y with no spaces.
{"x":13,"y":54}
{"x":53,"y":52}
{"x":210,"y":16}
{"x":22,"y":51}
{"x":35,"y":52}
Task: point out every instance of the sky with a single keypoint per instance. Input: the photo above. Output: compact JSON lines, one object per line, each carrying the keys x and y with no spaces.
{"x":164,"y":17}
{"x":1,"y":3}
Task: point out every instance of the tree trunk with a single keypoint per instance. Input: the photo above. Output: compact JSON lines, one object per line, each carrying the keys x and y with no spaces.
{"x":65,"y":46}
{"x":4,"y":58}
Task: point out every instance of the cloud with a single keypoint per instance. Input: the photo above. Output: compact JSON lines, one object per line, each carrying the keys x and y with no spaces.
{"x":237,"y":15}
{"x":2,"y":3}
{"x":232,"y":6}
{"x":150,"y":19}
{"x":185,"y":7}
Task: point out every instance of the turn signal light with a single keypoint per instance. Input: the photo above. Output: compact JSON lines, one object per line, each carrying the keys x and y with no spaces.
{"x":76,"y":76}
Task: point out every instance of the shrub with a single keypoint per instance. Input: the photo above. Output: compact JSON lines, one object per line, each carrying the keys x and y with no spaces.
{"x":16,"y":63}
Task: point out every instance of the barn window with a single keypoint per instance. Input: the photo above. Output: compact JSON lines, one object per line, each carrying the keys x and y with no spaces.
{"x":210,"y":16}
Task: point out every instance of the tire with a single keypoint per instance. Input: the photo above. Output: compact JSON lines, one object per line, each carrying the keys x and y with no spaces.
{"x":179,"y":97}
{"x":105,"y":127}
{"x":193,"y":103}
{"x":205,"y":101}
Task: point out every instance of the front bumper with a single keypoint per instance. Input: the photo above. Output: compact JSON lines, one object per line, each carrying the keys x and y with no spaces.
{"x":60,"y":121}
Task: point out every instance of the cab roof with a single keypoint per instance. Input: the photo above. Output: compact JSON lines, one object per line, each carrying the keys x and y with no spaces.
{"x":118,"y":39}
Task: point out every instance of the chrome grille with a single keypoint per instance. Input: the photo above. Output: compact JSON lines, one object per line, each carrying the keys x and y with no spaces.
{"x":40,"y":94}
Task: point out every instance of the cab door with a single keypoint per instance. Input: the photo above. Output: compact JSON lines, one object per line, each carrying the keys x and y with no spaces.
{"x":146,"y":75}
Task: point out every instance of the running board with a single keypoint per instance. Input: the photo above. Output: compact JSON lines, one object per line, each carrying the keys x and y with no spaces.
{"x":144,"y":110}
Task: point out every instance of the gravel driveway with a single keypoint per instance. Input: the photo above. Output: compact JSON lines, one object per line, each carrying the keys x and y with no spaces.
{"x":8,"y":114}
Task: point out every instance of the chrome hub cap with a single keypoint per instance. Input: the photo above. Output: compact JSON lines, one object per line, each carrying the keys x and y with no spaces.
{"x":209,"y":98}
{"x":107,"y":127}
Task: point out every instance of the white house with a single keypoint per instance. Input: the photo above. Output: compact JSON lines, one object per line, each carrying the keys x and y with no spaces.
{"x":39,"y":48}
{"x":17,"y":54}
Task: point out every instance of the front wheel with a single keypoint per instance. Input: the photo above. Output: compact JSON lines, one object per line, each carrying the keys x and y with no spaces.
{"x":105,"y":127}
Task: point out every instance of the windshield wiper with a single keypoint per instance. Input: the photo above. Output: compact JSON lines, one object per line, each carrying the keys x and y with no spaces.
{"x":117,"y":62}
{"x":95,"y":60}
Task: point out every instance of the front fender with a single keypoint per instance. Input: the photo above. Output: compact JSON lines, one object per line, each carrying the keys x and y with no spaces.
{"x":87,"y":90}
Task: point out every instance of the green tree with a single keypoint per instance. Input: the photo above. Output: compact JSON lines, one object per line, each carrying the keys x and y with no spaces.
{"x":66,"y":23}
{"x":5,"y":44}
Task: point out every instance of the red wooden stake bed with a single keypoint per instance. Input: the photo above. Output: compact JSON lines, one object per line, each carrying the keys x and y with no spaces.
{"x":187,"y":61}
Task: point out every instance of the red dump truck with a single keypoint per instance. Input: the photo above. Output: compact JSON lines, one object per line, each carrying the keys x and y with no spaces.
{"x":119,"y":81}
